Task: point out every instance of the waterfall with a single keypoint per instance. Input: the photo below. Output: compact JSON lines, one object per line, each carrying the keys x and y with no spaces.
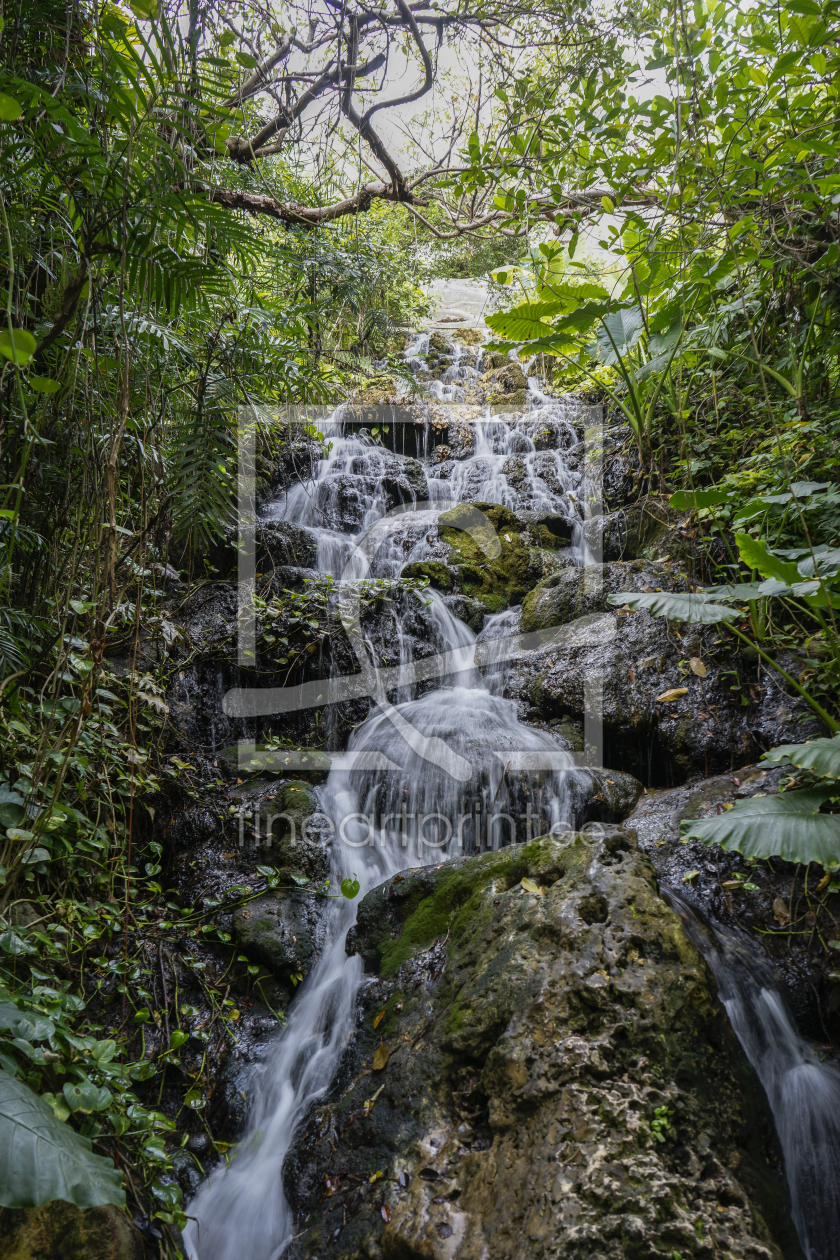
{"x":803,"y":1093}
{"x":466,"y":774}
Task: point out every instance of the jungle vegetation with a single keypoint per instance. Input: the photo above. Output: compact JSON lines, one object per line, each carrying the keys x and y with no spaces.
{"x":205,"y":207}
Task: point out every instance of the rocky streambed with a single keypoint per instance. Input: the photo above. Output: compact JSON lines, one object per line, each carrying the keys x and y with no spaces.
{"x":506,"y":1042}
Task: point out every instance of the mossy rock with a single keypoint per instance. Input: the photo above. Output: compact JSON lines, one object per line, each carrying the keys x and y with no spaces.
{"x":279,"y":930}
{"x":440,"y":576}
{"x":439,"y":343}
{"x":494,"y":560}
{"x":562,"y":597}
{"x":514,"y":401}
{"x":59,"y":1231}
{"x":468,"y":336}
{"x":405,"y":914}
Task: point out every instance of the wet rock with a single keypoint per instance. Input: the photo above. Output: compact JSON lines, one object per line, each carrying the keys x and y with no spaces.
{"x":508,"y":378}
{"x":280,"y":930}
{"x":440,"y":575}
{"x":59,"y":1231}
{"x":439,"y":343}
{"x":661,"y":721}
{"x":301,"y":834}
{"x":471,"y":611}
{"x":647,"y":530}
{"x":621,"y":468}
{"x":494,"y":561}
{"x":282,"y":543}
{"x":561,"y":1079}
{"x":768,"y":897}
{"x":572,"y":593}
{"x":468,"y":336}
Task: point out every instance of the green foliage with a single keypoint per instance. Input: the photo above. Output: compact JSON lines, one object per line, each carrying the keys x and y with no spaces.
{"x":43,"y":1159}
{"x":789,"y":825}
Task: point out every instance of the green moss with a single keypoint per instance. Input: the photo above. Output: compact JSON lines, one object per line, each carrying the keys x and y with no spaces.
{"x":494,"y":561}
{"x":439,"y":574}
{"x":462,"y":897}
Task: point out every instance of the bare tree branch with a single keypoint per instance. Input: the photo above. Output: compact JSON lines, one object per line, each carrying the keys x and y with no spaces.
{"x":294,"y":215}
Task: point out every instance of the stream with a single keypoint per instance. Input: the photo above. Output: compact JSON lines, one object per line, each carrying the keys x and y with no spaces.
{"x":446,"y":768}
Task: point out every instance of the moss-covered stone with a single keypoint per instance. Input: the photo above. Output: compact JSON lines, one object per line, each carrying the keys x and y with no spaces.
{"x":440,"y":575}
{"x":59,"y":1231}
{"x":571,"y":593}
{"x":279,"y":930}
{"x":493,"y":558}
{"x":468,"y":336}
{"x":561,"y":1081}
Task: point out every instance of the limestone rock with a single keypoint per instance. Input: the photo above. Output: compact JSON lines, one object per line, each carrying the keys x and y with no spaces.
{"x":646,"y":530}
{"x":708,"y":725}
{"x":561,"y":1085}
{"x":301,"y":834}
{"x":573,"y":593}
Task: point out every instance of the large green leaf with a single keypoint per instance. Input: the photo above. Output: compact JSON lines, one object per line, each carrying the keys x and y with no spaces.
{"x":619,"y":333}
{"x":787,"y":826}
{"x":42,"y":1159}
{"x":820,"y":756}
{"x":691,"y":500}
{"x":737,"y":590}
{"x":757,"y":555}
{"x":679,"y":606}
{"x":524,"y":322}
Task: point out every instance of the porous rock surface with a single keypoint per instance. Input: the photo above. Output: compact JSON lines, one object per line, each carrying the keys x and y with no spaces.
{"x":559,"y":1080}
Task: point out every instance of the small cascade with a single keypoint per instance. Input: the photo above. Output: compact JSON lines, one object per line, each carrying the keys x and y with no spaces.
{"x":444,"y":766}
{"x":803,"y":1093}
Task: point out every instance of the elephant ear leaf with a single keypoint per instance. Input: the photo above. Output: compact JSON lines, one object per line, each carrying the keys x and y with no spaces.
{"x":678,"y":605}
{"x":820,"y":756}
{"x":788,"y":826}
{"x":42,"y":1159}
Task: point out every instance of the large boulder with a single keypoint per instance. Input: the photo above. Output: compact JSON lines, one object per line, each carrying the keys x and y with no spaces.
{"x":649,"y":529}
{"x":662,"y":721}
{"x":280,"y":930}
{"x":490,"y":551}
{"x":572,"y":592}
{"x":540,"y":1070}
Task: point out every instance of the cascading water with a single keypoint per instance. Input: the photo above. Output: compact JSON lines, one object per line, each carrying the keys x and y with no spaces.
{"x":465,"y":775}
{"x":436,"y":773}
{"x":804,"y":1094}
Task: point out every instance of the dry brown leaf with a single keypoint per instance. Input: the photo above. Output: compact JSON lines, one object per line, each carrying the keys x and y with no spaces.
{"x":697,"y":667}
{"x":379,"y":1018}
{"x":780,"y":912}
{"x":673,"y":694}
{"x":385,"y":1212}
{"x":381,"y":1057}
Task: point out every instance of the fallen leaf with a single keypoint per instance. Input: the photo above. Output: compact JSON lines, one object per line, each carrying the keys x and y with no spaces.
{"x":697,"y":667}
{"x":379,"y":1018}
{"x":375,"y":1177}
{"x":381,"y":1057}
{"x":824,"y":882}
{"x":531,"y":887}
{"x":731,"y":883}
{"x":780,"y":912}
{"x":632,"y":675}
{"x":673,"y":694}
{"x":385,"y":1212}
